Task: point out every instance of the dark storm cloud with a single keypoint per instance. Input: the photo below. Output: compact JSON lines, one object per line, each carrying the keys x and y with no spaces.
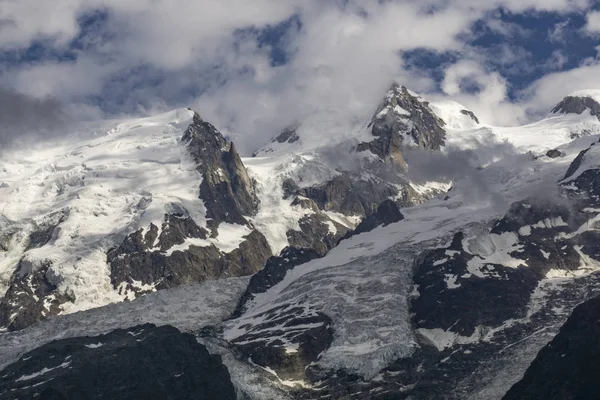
{"x":23,"y":117}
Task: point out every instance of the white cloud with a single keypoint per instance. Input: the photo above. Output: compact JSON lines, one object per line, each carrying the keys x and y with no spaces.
{"x":343,"y":65}
{"x":345,"y":55}
{"x":25,"y":21}
{"x":549,"y":90}
{"x":558,"y":32}
{"x":490,"y":103}
{"x":593,"y":22}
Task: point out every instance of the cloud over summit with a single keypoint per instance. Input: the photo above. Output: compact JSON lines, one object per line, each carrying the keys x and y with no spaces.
{"x":254,"y":67}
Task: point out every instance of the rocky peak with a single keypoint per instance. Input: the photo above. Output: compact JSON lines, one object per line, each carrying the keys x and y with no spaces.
{"x":578,"y":103}
{"x":288,"y":135}
{"x":470,"y":114}
{"x":227,"y":190}
{"x":387,"y":213}
{"x":403,"y":115}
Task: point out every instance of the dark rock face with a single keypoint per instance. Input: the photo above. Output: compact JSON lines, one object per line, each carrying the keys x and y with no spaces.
{"x":146,"y":259}
{"x":554,"y":153}
{"x":32,"y":294}
{"x":290,"y":188}
{"x":316,"y":233}
{"x":274,"y":272}
{"x":387,"y":213}
{"x":145,"y":362}
{"x":31,"y":297}
{"x":587,"y":184}
{"x":227,"y":190}
{"x":283,"y":344}
{"x":349,"y":196}
{"x":464,"y":303}
{"x":44,"y":233}
{"x":470,"y":114}
{"x":576,"y":164}
{"x":567,"y":368}
{"x":457,"y":288}
{"x":402,"y":114}
{"x":288,"y":135}
{"x":577,"y":105}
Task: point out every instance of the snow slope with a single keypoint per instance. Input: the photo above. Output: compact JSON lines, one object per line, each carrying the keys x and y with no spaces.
{"x":451,"y":112}
{"x":100,"y":188}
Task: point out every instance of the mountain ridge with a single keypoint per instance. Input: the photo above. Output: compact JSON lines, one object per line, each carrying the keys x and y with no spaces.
{"x":367,"y":279}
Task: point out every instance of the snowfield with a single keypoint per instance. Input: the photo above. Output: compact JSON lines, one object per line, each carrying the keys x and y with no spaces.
{"x":102,"y":188}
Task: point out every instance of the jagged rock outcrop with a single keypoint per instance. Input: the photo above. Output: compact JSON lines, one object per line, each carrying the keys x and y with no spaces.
{"x":345,"y":194}
{"x":567,"y":368}
{"x":554,"y":153}
{"x":576,"y":164}
{"x":227,"y":190}
{"x":144,"y":362}
{"x":291,"y":347}
{"x":317,"y":232}
{"x":459,"y":284}
{"x":577,"y":105}
{"x":387,"y":213}
{"x":584,"y":187}
{"x":470,"y":114}
{"x":288,"y":135}
{"x":32,"y":293}
{"x":31,"y":297}
{"x":274,"y":272}
{"x":402,"y":116}
{"x":349,"y":196}
{"x":146,"y":262}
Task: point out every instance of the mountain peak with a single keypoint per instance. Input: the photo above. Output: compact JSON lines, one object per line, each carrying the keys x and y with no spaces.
{"x":578,"y":102}
{"x":405,"y":113}
{"x":455,"y":115}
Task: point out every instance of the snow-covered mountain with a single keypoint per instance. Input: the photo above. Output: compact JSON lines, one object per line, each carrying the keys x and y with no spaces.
{"x":421,"y":252}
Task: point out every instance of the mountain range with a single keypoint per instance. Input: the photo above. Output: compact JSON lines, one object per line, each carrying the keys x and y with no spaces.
{"x":421,"y":254}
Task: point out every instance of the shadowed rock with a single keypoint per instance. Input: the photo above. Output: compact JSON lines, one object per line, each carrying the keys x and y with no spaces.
{"x":144,"y":362}
{"x":567,"y":368}
{"x":577,"y":105}
{"x":227,"y":190}
{"x":387,"y":213}
{"x":470,"y":114}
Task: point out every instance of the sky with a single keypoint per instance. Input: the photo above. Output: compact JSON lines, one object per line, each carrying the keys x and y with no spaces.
{"x":252,"y":67}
